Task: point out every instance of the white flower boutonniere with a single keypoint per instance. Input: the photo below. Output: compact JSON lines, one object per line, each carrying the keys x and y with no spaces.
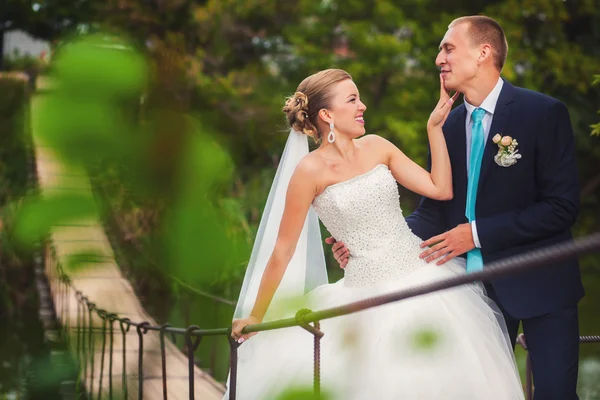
{"x":507,"y":150}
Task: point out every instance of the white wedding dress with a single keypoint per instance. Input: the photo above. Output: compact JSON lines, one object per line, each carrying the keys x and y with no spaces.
{"x":450,"y":344}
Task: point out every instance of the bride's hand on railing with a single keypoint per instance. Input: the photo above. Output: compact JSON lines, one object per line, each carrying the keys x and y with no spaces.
{"x":442,"y":109}
{"x":239,"y":324}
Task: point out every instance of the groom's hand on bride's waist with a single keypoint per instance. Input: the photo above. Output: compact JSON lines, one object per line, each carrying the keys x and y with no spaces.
{"x":340,"y":252}
{"x":448,"y":245}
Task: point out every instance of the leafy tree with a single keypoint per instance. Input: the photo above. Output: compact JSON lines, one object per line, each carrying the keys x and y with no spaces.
{"x":596,"y":127}
{"x":44,"y":19}
{"x":231,"y":63}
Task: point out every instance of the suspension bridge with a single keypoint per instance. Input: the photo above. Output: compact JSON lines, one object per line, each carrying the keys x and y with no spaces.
{"x":122,"y":352}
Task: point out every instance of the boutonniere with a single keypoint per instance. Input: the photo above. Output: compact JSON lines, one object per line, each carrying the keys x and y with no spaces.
{"x":507,"y":150}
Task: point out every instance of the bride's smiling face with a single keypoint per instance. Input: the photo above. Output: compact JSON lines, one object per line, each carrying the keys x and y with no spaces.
{"x":346,"y":110}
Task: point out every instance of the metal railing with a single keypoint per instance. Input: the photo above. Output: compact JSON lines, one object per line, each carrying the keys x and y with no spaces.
{"x":85,"y":346}
{"x":307,"y":319}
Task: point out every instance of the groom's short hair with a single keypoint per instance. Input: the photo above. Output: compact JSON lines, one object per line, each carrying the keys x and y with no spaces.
{"x":484,"y":29}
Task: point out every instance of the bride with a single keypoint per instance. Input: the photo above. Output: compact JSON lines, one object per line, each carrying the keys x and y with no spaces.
{"x":449,"y":344}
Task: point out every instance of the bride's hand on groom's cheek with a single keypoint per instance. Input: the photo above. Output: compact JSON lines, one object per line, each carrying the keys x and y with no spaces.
{"x":340,"y":252}
{"x":448,"y":245}
{"x":442,"y":109}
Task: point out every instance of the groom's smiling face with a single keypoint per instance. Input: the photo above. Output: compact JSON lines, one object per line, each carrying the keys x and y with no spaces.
{"x":457,"y":58}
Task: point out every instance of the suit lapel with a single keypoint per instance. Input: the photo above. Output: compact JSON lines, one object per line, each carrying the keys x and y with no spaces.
{"x":460,"y":149}
{"x":501,"y":115}
{"x":456,"y":141}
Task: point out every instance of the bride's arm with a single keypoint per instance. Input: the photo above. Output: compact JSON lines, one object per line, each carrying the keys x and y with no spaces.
{"x":300,"y":194}
{"x":436,"y":184}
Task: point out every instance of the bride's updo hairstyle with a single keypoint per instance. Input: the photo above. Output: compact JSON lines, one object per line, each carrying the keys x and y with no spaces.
{"x":313,"y":94}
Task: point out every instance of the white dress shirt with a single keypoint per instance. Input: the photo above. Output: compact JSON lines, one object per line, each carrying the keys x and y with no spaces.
{"x":489,"y":105}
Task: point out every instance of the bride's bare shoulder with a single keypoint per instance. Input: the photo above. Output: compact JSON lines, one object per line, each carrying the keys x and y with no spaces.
{"x":372,"y":140}
{"x":375,"y":143}
{"x":307,"y":174}
{"x":310,"y":164}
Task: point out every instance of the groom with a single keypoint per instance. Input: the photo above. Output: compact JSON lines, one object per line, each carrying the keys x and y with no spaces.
{"x":509,"y":205}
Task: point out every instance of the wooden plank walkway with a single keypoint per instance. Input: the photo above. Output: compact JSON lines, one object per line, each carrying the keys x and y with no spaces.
{"x":105,"y":285}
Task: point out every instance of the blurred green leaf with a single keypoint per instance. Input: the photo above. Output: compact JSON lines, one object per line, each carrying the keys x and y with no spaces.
{"x":426,"y":339}
{"x":74,"y":261}
{"x":302,"y":393}
{"x":39,"y":214}
{"x":595,"y":129}
{"x":49,"y":372}
{"x":82,"y":129}
{"x":100,"y":67}
{"x":201,"y":244}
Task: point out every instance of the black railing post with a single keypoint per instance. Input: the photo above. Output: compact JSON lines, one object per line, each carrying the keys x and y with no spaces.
{"x":65,"y":310}
{"x":317,"y":361}
{"x":84,"y":337}
{"x":56,"y":293}
{"x":68,"y":311}
{"x":61,"y":304}
{"x":78,"y":342}
{"x":191,"y":347}
{"x":528,"y":378}
{"x":111,"y":320}
{"x":142,"y":329}
{"x":125,"y":324}
{"x":233,"y":364}
{"x":102,"y":314}
{"x":91,"y":307}
{"x":317,"y":334}
{"x":163,"y":357}
{"x":528,"y":373}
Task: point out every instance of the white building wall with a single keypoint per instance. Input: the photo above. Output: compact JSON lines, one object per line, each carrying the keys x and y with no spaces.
{"x":24,"y":43}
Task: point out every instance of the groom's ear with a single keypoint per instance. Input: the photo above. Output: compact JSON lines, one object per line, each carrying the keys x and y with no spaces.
{"x":485,"y":53}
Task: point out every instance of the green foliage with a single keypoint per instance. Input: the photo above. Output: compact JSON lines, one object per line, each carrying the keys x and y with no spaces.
{"x":15,"y":148}
{"x":14,"y":143}
{"x":83,"y":120}
{"x":201,"y":244}
{"x":22,"y":62}
{"x":425,"y":339}
{"x":20,"y":332}
{"x":46,"y":374}
{"x":39,"y":214}
{"x":99,"y":67}
{"x":302,"y":393}
{"x":46,"y":19}
{"x":596,"y":127}
{"x":82,"y":117}
{"x":231,"y":63}
{"x":83,"y":258}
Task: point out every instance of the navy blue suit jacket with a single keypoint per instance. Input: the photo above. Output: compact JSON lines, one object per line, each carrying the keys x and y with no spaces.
{"x":528,"y":205}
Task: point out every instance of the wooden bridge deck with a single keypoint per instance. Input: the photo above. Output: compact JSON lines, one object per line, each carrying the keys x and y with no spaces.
{"x":105,"y":285}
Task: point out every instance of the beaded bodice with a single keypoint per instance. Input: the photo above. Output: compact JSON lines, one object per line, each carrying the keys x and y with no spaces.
{"x":364,"y":213}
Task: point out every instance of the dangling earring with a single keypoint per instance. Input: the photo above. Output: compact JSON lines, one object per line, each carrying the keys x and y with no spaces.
{"x":331,"y":136}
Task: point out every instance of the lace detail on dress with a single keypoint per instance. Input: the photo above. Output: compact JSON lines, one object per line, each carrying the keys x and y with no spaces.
{"x":364,"y":212}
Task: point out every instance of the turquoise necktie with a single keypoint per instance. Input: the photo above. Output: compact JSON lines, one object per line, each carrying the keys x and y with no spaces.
{"x":474,"y":258}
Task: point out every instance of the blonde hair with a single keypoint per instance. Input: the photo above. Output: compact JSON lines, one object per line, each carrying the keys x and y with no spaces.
{"x":484,"y":29}
{"x":313,"y":94}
